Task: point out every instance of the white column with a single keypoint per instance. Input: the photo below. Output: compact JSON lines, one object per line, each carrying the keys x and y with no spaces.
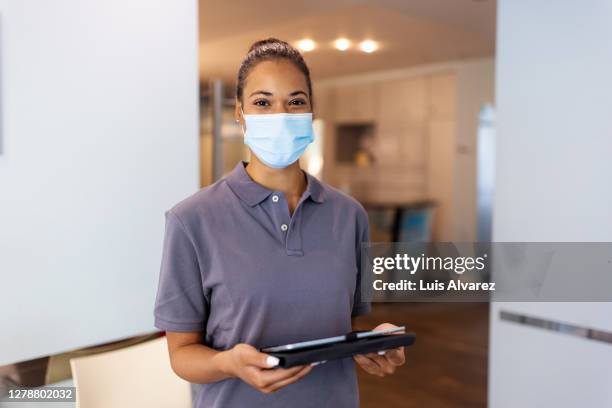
{"x":554,"y":148}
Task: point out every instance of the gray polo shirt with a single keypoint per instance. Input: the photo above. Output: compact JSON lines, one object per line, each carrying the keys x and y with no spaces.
{"x":239,"y":268}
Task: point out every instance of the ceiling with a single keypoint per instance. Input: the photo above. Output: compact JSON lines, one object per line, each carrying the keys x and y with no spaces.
{"x":410,"y":32}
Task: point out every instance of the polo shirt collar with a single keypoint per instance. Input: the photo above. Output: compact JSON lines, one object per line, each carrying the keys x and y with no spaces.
{"x":314,"y":188}
{"x":253,"y":193}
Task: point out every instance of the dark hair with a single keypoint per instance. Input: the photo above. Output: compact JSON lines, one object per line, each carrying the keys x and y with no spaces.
{"x":268,"y":50}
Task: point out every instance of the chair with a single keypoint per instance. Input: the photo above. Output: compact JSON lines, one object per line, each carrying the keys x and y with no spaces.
{"x":134,"y":377}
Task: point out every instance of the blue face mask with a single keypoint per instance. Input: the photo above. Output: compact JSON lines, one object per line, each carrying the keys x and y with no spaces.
{"x":278,"y":139}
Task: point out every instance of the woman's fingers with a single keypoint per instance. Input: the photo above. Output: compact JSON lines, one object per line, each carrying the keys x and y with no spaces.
{"x":388,"y":360}
{"x":369,"y":365}
{"x":304,"y":370}
{"x":384,"y":326}
{"x":265,"y":379}
{"x":261,"y":370}
{"x":249,"y":355}
{"x":381,"y":365}
{"x":396,"y":356}
{"x":385,"y":365}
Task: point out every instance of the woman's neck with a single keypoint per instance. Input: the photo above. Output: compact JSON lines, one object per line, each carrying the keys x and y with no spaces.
{"x":291,"y":180}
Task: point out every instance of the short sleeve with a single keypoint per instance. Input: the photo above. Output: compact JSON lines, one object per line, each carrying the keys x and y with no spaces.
{"x":361,"y":307}
{"x":180,"y":304}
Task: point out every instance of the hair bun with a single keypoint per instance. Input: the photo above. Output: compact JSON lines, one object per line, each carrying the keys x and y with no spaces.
{"x":268,"y":43}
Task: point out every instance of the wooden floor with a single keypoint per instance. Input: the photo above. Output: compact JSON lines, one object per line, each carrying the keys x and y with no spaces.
{"x":446,"y":367}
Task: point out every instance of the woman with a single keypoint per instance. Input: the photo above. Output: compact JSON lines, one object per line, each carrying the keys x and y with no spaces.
{"x":267,"y":255}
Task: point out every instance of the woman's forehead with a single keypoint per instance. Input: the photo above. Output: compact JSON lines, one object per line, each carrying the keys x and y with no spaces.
{"x":275,"y":76}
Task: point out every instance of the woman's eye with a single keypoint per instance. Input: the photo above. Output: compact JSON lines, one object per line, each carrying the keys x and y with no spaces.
{"x":297,"y":102}
{"x":261,"y":102}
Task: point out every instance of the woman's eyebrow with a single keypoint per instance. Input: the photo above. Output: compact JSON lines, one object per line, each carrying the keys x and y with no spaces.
{"x":266,"y":93}
{"x":297,"y":93}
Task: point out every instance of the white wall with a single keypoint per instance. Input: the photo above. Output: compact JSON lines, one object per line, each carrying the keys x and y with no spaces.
{"x":553,"y":165}
{"x":100,"y":132}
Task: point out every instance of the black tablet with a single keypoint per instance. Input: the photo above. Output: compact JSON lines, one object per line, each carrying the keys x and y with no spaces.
{"x":331,"y":348}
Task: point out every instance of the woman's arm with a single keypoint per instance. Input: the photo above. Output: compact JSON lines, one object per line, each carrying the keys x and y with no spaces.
{"x":193,"y":361}
{"x":197,"y":363}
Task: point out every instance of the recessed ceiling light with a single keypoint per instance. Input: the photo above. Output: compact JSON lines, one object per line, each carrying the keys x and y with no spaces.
{"x":342,"y":44}
{"x":368,"y":46}
{"x":306,"y":45}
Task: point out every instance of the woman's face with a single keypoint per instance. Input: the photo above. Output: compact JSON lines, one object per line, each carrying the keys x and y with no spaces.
{"x":275,"y":86}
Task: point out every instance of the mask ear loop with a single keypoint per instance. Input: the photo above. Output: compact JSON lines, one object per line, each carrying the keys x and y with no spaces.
{"x":242,"y":126}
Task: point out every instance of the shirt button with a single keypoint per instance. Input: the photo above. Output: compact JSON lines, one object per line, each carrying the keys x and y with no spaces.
{"x":275,"y":198}
{"x":284,"y":227}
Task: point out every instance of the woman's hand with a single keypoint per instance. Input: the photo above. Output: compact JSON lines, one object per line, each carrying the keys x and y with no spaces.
{"x":381,"y":364}
{"x":257,"y":369}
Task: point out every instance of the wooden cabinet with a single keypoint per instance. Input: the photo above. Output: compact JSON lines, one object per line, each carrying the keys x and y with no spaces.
{"x":403,"y":102}
{"x":402,"y":144}
{"x":414,"y":142}
{"x":401,"y":121}
{"x":355,"y":103}
{"x":442,"y":97}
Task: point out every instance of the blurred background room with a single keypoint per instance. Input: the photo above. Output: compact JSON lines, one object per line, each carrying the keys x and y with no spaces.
{"x":402,"y":90}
